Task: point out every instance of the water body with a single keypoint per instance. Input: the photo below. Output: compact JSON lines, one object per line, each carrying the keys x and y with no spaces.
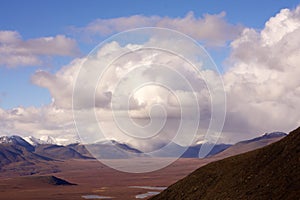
{"x":148,"y":194}
{"x":96,"y":197}
{"x":149,"y":187}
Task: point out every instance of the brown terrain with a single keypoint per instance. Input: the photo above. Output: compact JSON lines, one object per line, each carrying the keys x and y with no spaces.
{"x":92,"y":178}
{"x":76,"y":175}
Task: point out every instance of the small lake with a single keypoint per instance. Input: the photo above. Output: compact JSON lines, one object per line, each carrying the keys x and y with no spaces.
{"x":149,"y":187}
{"x":149,"y":193}
{"x":145,"y":195}
{"x":92,"y":196}
{"x":153,"y":191}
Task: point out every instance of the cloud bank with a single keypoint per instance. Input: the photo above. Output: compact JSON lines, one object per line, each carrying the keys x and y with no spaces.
{"x":262,"y":83}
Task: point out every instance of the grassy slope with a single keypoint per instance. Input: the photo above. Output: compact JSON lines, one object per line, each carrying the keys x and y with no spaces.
{"x":272,"y":172}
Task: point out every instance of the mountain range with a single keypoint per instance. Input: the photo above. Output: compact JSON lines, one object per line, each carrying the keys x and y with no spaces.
{"x":30,"y":152}
{"x":20,"y":157}
{"x":112,"y":149}
{"x":252,"y":144}
{"x":36,"y":163}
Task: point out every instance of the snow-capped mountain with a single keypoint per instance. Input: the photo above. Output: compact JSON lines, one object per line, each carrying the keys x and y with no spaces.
{"x":15,"y":141}
{"x":12,"y":140}
{"x":43,"y":140}
{"x":34,"y":141}
{"x":30,"y":139}
{"x":49,"y":140}
{"x":266,"y":136}
{"x":6,"y":139}
{"x":274,"y":134}
{"x":111,"y":148}
{"x":15,"y":149}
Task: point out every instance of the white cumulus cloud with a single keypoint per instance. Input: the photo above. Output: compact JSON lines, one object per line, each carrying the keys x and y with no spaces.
{"x":262,"y":83}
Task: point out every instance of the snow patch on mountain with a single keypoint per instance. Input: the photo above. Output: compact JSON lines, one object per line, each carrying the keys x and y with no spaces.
{"x":11,"y":140}
{"x":43,"y":140}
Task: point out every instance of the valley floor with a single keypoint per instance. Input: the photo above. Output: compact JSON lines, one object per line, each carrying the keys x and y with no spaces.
{"x":93,"y":178}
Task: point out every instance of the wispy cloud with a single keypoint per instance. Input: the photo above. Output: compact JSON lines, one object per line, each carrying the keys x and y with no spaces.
{"x":14,"y":51}
{"x":212,"y":30}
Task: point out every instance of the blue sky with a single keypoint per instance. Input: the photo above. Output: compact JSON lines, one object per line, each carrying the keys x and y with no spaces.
{"x":33,"y":19}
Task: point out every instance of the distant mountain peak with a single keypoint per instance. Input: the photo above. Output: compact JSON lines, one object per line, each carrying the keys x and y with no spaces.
{"x":49,"y":140}
{"x":12,"y":140}
{"x":5,"y":139}
{"x":126,"y":147}
{"x":43,"y":140}
{"x":16,"y":140}
{"x":266,"y":136}
{"x":33,"y":140}
{"x":274,"y":134}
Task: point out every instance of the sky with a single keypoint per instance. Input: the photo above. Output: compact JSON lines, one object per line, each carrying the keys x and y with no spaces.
{"x":253,"y":43}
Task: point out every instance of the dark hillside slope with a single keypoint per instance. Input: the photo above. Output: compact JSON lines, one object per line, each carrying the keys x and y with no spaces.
{"x":272,"y":172}
{"x":58,"y":152}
